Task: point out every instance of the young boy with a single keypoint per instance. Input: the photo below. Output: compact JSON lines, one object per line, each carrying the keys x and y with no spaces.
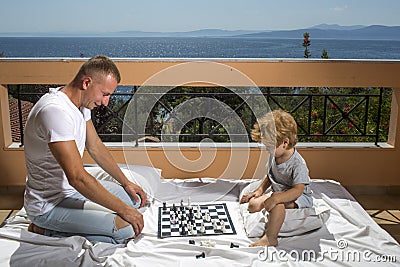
{"x":288,"y":174}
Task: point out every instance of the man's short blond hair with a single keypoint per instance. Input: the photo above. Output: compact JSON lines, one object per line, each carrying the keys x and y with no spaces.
{"x":98,"y":66}
{"x":278,"y":125}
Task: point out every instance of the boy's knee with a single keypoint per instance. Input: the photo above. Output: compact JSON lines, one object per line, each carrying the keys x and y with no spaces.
{"x":254,"y":206}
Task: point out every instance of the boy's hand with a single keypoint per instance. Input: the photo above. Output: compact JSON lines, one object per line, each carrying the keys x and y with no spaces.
{"x":246,"y":198}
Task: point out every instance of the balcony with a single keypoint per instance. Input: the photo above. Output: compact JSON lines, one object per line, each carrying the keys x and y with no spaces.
{"x":364,"y":168}
{"x":375,"y":165}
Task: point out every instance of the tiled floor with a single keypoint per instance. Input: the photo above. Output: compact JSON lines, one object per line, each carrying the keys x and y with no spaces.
{"x":384,"y":209}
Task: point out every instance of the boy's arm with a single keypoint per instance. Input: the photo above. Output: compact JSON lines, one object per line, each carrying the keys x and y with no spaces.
{"x":284,"y":197}
{"x":265,"y":184}
{"x":258,"y":192}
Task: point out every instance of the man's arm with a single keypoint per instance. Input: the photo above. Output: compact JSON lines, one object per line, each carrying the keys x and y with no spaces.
{"x":67,"y":155}
{"x":103,"y":157}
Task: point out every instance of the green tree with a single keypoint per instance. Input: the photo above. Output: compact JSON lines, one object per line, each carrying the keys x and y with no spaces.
{"x":306,"y":44}
{"x":324,"y":54}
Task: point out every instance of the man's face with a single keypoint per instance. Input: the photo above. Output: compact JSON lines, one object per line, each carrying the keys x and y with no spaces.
{"x":98,"y":91}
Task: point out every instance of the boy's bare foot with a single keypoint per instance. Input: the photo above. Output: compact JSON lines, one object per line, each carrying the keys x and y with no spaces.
{"x":265,"y":241}
{"x":35,"y":229}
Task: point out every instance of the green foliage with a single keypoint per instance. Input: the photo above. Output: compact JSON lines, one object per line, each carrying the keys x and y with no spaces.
{"x":2,"y":54}
{"x":324,"y":54}
{"x":306,"y":44}
{"x":323,"y":114}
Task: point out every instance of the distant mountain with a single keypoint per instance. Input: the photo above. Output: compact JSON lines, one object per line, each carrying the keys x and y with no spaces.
{"x":323,"y":31}
{"x":336,"y":27}
{"x":374,"y":32}
{"x":197,"y":33}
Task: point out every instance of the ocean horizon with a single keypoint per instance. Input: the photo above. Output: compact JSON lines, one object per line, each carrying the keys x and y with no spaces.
{"x":196,"y":47}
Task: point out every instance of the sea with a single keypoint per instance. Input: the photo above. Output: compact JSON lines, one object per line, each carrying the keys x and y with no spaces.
{"x":195,"y":47}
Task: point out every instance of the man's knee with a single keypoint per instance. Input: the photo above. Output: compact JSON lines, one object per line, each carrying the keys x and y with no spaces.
{"x":123,"y":231}
{"x":120,"y":223}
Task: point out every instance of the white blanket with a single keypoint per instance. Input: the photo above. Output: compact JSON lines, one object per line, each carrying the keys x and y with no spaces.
{"x":349,"y":236}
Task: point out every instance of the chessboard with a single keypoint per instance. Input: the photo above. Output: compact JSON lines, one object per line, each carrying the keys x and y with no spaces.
{"x":196,"y":220}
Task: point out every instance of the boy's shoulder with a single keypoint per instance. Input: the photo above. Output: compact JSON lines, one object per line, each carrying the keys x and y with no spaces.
{"x":297,"y":159}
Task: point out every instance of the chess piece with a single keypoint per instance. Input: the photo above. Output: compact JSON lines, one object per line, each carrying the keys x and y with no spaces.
{"x":202,"y":255}
{"x":215,"y":226}
{"x":223,"y":229}
{"x":234,"y":245}
{"x":198,"y":214}
{"x":202,"y":229}
{"x":173,"y":218}
{"x":208,"y":243}
{"x":198,"y":208}
{"x":164,"y":206}
{"x":183,"y":230}
{"x":207,"y":217}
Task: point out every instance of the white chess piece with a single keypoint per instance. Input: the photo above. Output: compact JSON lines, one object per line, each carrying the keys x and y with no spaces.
{"x":190,"y":227}
{"x":202,"y":229}
{"x":173,"y":219}
{"x":223,"y":229}
{"x":208,"y":243}
{"x":215,"y":225}
{"x":189,"y":205}
{"x":207,"y":217}
{"x":198,"y":214}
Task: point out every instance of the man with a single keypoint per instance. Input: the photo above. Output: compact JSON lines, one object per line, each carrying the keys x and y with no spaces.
{"x":61,"y":198}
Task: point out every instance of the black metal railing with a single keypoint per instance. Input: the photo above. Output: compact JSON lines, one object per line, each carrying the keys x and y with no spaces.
{"x":322,"y":114}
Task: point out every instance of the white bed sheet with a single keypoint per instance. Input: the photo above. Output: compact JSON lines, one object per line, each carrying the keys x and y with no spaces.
{"x":348,"y":238}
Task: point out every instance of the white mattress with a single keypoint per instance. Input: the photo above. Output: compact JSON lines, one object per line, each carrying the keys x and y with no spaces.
{"x":349,"y":237}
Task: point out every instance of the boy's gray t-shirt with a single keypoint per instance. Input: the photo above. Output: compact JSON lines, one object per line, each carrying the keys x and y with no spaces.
{"x":285,"y":175}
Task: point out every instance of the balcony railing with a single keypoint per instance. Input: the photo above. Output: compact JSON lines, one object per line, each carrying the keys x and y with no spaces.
{"x":322,"y":114}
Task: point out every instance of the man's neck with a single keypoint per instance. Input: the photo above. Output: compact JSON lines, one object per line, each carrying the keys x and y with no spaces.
{"x":73,"y":93}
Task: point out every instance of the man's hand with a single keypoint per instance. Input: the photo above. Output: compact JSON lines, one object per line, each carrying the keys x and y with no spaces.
{"x":133,"y":189}
{"x":135,"y":218}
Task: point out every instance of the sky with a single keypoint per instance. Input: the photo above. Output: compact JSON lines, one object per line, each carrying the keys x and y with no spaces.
{"x":187,"y":15}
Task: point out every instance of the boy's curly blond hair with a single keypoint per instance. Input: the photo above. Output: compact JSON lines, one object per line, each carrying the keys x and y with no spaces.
{"x":275,"y":126}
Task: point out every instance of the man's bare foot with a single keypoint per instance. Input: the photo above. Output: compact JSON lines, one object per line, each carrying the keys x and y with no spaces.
{"x":265,"y":241}
{"x":35,"y":229}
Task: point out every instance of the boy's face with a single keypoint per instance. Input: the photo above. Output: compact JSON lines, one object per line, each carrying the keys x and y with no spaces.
{"x":269,"y":146}
{"x":280,"y":150}
{"x":275,"y":149}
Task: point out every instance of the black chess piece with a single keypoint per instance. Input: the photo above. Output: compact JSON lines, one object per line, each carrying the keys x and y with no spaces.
{"x":164,"y":206}
{"x":191,"y":242}
{"x":183,"y":231}
{"x":202,"y":255}
{"x":234,"y":245}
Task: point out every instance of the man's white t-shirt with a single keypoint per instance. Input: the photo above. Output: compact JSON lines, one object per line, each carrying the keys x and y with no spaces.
{"x":53,"y":118}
